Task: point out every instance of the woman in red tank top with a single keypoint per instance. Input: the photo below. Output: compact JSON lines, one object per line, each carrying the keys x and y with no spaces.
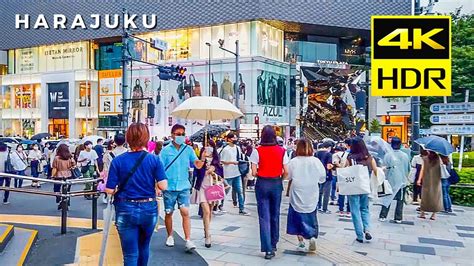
{"x":269,"y":166}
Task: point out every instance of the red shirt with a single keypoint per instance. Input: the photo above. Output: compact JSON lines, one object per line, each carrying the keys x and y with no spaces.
{"x":270,"y":161}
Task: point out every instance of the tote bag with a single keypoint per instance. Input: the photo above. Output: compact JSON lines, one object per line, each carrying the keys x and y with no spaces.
{"x":216,"y":191}
{"x":353,"y":180}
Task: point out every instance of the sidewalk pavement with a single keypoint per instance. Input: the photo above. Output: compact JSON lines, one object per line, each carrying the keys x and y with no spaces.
{"x":235,"y":239}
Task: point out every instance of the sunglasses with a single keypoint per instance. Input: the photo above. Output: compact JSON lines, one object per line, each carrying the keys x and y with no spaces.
{"x":180,"y":134}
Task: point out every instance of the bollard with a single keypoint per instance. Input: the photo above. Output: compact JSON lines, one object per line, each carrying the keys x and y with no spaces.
{"x":94,"y":206}
{"x":64,"y":201}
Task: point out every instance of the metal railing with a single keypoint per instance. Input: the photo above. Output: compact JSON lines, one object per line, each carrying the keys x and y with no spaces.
{"x":65,"y":193}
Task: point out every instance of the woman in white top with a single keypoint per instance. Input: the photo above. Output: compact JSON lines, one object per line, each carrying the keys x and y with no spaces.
{"x":305,"y":173}
{"x":19,"y":160}
{"x":34,"y":156}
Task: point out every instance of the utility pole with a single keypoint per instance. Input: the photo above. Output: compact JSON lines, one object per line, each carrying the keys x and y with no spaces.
{"x":415,"y":101}
{"x":125,"y":88}
{"x":237,"y":84}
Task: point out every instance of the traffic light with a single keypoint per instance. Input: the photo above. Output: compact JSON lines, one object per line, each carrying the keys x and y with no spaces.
{"x":387,"y":119}
{"x":172,"y":72}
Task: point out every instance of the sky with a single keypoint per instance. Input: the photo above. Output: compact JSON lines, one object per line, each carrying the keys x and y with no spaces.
{"x":448,"y":6}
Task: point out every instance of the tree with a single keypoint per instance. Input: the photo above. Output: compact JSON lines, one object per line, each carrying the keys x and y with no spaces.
{"x":462,"y":53}
{"x":375,"y":126}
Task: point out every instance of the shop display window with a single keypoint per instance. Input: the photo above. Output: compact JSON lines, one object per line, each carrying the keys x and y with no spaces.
{"x":24,"y":96}
{"x":84,"y":94}
{"x":6,"y":97}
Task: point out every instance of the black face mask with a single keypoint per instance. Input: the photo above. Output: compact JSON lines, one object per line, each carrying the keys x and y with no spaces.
{"x":235,"y":142}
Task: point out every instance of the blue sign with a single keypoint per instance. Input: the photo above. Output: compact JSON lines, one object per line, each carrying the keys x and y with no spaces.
{"x":452,"y":107}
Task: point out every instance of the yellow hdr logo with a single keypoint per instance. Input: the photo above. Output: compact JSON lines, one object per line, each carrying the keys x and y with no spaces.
{"x":411,"y":56}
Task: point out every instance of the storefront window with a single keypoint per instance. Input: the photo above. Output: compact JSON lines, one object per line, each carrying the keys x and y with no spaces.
{"x":84,"y":94}
{"x":6,"y":97}
{"x":11,"y":61}
{"x":25,"y":96}
{"x":109,"y":56}
{"x":310,"y":51}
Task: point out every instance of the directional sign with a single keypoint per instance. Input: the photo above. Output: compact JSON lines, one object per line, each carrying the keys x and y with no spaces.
{"x":425,"y":131}
{"x":452,"y":107}
{"x":159,"y":44}
{"x":452,"y":119}
{"x":452,"y":130}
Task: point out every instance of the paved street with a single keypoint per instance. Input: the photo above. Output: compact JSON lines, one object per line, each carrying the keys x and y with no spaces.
{"x":447,"y":241}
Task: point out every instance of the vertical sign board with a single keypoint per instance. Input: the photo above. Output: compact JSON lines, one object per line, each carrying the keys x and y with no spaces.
{"x":110,"y":92}
{"x":411,"y":56}
{"x":58,"y":100}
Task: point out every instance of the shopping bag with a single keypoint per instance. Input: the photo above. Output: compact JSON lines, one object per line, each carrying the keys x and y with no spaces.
{"x":353,"y":180}
{"x":109,"y":212}
{"x":385,"y":189}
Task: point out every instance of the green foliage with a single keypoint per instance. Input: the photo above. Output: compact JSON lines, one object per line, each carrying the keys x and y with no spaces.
{"x":464,"y":195}
{"x":462,"y":65}
{"x":466,"y":162}
{"x":375,"y":126}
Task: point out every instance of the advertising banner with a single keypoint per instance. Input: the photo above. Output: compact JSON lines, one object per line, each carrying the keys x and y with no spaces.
{"x":110,"y":92}
{"x":58,"y":100}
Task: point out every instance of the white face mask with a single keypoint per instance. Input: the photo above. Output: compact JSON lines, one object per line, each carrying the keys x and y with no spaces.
{"x":209,"y":150}
{"x":35,"y":148}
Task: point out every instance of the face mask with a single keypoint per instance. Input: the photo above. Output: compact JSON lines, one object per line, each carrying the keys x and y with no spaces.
{"x":179,"y":140}
{"x":35,"y":148}
{"x":235,"y":141}
{"x":20,"y":149}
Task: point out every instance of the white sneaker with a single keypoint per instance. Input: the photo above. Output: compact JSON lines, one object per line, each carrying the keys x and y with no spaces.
{"x":190,"y":246}
{"x":382,"y":219}
{"x":301,"y":247}
{"x":312,"y":244}
{"x":216,"y":213}
{"x":170,"y":241}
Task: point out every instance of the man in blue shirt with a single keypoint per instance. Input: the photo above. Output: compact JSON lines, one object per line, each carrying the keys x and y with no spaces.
{"x":99,"y":149}
{"x":176,"y":158}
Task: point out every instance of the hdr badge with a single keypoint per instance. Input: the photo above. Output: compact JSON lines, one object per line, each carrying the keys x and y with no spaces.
{"x":411,"y":56}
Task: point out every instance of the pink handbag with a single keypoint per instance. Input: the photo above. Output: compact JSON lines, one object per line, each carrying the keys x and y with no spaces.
{"x":215,"y":192}
{"x":101,"y":185}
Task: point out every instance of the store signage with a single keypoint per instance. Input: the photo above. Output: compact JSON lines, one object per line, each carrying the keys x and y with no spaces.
{"x":272,"y":111}
{"x":452,"y":107}
{"x":58,"y":100}
{"x":27,"y":60}
{"x":452,"y":119}
{"x":452,"y":130}
{"x":411,"y":56}
{"x":110,"y":92}
{"x":60,"y":53}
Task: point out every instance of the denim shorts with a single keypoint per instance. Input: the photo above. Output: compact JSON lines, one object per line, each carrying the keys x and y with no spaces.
{"x":170,"y":198}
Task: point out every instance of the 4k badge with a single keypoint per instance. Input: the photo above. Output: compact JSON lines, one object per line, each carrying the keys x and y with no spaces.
{"x":411,"y":56}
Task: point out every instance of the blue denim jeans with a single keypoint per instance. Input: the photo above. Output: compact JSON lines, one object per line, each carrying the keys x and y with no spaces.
{"x":135,"y":223}
{"x":268,"y":194}
{"x":236,"y":184}
{"x":333,"y":188}
{"x":446,"y":198}
{"x":340,"y":202}
{"x":19,"y":182}
{"x":360,"y":214}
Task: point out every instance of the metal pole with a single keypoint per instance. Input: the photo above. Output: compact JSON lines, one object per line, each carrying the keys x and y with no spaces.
{"x":125,"y":89}
{"x":237,"y":91}
{"x":209,"y":63}
{"x":94,"y":206}
{"x":64,"y":203}
{"x":461,"y":151}
{"x":415,"y":101}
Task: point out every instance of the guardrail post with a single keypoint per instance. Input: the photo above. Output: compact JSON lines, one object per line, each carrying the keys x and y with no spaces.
{"x":64,"y":203}
{"x":94,"y":206}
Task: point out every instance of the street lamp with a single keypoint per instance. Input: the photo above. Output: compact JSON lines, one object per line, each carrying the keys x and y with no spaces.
{"x":236,"y":88}
{"x":209,"y":63}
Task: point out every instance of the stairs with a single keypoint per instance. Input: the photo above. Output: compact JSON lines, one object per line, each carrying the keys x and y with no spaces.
{"x":15,"y":244}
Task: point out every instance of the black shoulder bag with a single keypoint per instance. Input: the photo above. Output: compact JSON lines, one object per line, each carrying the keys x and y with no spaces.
{"x":122,"y":184}
{"x":175,"y":158}
{"x":244,"y":167}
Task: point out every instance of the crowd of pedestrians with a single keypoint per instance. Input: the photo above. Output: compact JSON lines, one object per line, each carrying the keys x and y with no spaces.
{"x":136,"y":170}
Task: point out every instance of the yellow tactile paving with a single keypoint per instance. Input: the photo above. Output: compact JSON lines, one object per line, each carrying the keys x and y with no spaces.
{"x":89,"y":248}
{"x":26,"y":249}
{"x":48,"y":220}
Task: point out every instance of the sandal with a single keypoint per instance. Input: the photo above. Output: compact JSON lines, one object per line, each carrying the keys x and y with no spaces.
{"x":432,"y":218}
{"x":422,"y":217}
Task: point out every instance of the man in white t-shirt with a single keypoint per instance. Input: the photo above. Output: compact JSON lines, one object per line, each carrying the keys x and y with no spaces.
{"x":232,"y":174}
{"x":87,"y":160}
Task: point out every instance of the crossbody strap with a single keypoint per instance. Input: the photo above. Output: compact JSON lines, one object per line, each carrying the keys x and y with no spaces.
{"x":122,"y":184}
{"x":175,"y":158}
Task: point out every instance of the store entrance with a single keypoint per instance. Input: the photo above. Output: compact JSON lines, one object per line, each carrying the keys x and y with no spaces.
{"x":58,"y":128}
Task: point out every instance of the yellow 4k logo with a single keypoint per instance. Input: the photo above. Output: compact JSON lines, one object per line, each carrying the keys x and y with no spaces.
{"x":411,"y":56}
{"x":418,"y":39}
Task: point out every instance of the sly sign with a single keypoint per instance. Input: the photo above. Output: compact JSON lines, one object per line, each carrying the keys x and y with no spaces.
{"x":411,"y":56}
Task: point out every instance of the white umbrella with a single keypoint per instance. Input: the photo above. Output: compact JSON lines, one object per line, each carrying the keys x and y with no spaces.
{"x":206,"y":108}
{"x":92,"y":139}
